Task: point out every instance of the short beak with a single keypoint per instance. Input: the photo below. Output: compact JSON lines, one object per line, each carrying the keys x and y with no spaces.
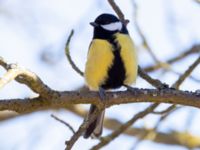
{"x":94,"y":24}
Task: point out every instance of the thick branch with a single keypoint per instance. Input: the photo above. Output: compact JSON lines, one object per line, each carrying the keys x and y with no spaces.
{"x":26,"y":77}
{"x":114,"y":98}
{"x":10,"y":75}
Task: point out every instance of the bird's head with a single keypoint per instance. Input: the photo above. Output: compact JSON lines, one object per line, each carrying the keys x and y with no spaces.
{"x":107,"y":24}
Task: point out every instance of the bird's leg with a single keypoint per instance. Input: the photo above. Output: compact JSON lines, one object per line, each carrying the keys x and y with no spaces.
{"x":102,"y":93}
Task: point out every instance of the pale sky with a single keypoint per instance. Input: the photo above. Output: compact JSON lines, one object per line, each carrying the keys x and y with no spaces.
{"x":31,"y":28}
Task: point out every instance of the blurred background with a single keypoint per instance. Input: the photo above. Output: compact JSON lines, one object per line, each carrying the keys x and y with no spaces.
{"x":33,"y":34}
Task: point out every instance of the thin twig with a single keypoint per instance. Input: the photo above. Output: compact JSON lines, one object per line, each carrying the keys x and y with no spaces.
{"x":180,"y":80}
{"x":67,"y":52}
{"x":176,"y":85}
{"x":155,"y":82}
{"x":152,"y":134}
{"x":197,"y":1}
{"x":161,"y":137}
{"x":194,"y":50}
{"x":81,"y":129}
{"x":64,"y":122}
{"x":195,"y":79}
{"x":164,"y":111}
{"x":3,"y":63}
{"x":172,"y":108}
{"x":187,"y":73}
{"x":118,"y":11}
{"x":145,"y":43}
{"x":106,"y":140}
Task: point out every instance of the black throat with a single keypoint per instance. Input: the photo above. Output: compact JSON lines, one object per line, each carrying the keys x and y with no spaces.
{"x":116,"y":72}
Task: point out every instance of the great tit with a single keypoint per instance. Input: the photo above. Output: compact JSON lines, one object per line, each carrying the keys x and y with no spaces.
{"x":111,"y":62}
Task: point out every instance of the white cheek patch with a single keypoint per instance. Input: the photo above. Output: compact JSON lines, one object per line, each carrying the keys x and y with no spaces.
{"x":112,"y":26}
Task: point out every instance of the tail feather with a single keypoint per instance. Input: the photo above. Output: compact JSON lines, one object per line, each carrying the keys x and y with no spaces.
{"x":95,"y":128}
{"x":99,"y":125}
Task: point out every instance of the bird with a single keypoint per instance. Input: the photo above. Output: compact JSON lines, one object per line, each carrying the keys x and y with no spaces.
{"x":111,"y":63}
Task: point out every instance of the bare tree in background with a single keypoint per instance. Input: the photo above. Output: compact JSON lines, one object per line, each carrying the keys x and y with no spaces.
{"x":161,"y":93}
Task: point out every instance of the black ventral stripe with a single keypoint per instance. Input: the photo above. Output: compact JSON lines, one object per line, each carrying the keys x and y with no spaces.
{"x":116,"y":73}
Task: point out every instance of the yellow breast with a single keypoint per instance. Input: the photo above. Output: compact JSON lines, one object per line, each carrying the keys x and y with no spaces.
{"x":129,"y":57}
{"x":99,"y":60}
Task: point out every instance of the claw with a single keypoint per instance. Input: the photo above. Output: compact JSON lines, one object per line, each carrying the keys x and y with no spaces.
{"x":102,"y":93}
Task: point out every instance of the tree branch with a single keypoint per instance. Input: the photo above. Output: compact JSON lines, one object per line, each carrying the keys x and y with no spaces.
{"x":173,"y":107}
{"x":114,"y":98}
{"x":63,"y":122}
{"x":26,"y":77}
{"x":194,"y":50}
{"x":10,"y":75}
{"x":118,"y":12}
{"x":81,"y":129}
{"x":187,"y":73}
{"x":67,"y":52}
{"x":154,"y":82}
{"x":122,"y":128}
{"x":197,"y":1}
{"x":144,"y":40}
{"x":170,"y":138}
